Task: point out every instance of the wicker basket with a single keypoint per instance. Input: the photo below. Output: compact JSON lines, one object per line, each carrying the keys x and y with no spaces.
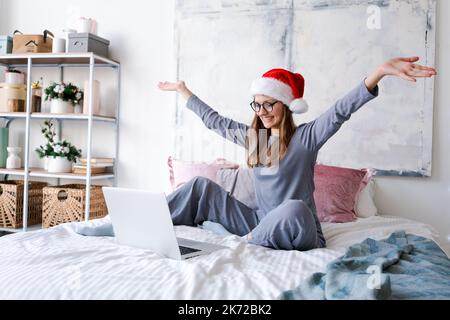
{"x":11,"y":203}
{"x":67,"y":203}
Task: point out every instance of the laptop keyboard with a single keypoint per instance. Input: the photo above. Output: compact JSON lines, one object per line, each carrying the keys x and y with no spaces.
{"x":186,"y":250}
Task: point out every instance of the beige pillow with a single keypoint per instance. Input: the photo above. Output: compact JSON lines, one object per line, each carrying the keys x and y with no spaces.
{"x":365,"y":206}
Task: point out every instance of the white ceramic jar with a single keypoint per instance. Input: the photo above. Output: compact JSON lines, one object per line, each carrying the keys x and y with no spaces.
{"x":13,"y":161}
{"x":14,"y":78}
{"x":59,"y":45}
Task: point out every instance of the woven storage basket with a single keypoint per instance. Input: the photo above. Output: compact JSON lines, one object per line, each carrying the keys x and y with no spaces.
{"x":67,"y":203}
{"x":11,"y":203}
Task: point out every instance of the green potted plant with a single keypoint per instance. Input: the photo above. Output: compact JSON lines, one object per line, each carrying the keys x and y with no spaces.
{"x":59,"y":155}
{"x":63,"y":97}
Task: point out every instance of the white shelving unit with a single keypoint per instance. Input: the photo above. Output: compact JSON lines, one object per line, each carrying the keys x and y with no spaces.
{"x":61,"y":60}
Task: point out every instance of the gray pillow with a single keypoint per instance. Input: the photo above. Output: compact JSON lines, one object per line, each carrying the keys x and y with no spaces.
{"x":240,"y":184}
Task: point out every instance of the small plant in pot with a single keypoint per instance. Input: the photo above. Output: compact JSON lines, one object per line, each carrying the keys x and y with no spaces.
{"x":59,"y":155}
{"x":63,"y":97}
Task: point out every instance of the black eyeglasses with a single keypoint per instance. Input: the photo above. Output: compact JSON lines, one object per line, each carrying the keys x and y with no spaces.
{"x":266,"y":105}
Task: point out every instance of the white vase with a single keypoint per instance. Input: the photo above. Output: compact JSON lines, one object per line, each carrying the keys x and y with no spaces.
{"x":59,"y":45}
{"x":13,"y":161}
{"x":86,"y":25}
{"x":60,"y":106}
{"x":59,"y":165}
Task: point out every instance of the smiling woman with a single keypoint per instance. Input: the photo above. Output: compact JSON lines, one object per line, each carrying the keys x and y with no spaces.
{"x":286,"y":217}
{"x":272,"y":115}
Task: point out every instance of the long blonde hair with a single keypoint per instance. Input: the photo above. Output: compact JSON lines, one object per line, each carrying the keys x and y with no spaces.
{"x":286,"y":131}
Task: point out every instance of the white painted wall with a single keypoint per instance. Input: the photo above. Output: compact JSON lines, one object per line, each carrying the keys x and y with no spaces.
{"x":428,"y":199}
{"x":141,"y":34}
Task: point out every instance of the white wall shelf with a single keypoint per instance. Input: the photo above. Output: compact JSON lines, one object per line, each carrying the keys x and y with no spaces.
{"x":61,"y":60}
{"x":68,"y":116}
{"x":56,"y":59}
{"x":41,"y":172}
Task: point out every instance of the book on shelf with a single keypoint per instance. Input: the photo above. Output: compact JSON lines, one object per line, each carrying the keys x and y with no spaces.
{"x":95,"y":169}
{"x":98,"y":160}
{"x":97,"y":165}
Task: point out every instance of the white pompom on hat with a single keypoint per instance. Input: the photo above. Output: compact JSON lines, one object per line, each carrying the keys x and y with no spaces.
{"x":283,"y":85}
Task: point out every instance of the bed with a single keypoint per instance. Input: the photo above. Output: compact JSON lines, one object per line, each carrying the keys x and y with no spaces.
{"x":58,"y":263}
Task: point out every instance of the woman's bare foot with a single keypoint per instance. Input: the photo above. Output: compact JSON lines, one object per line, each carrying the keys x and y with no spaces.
{"x":248,"y":236}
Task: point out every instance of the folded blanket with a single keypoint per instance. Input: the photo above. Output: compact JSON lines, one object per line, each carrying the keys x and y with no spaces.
{"x":101,"y":230}
{"x":404,"y":266}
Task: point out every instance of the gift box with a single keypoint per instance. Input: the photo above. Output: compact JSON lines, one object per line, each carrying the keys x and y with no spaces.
{"x":34,"y":43}
{"x":88,"y":42}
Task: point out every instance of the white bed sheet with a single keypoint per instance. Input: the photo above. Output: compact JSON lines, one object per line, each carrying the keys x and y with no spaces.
{"x":57,"y":263}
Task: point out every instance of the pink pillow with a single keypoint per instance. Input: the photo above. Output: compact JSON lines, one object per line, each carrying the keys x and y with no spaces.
{"x":181,"y":171}
{"x":337,"y":190}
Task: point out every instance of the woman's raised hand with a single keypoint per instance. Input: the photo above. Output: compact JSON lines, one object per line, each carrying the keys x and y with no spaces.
{"x":178,"y":86}
{"x":171,"y":86}
{"x":406,"y":68}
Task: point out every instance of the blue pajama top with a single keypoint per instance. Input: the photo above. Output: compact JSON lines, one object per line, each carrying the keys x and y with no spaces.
{"x":294,"y":175}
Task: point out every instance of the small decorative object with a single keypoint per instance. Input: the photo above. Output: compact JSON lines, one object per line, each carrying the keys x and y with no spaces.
{"x":13,"y":76}
{"x":12,"y":97}
{"x":95,"y":97}
{"x":5,"y":44}
{"x":59,"y":165}
{"x":63,"y":97}
{"x":66,"y":36}
{"x":86,"y":25}
{"x":35,"y":43}
{"x":61,"y":106}
{"x":60,"y":154}
{"x":13,"y":161}
{"x":59,"y":45}
{"x":4,"y":139}
{"x":36,"y":98}
{"x":88,"y":42}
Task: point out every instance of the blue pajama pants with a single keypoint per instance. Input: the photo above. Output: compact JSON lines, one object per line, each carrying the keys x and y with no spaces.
{"x":290,"y":226}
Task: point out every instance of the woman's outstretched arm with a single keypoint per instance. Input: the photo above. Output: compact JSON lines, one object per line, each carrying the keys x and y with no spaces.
{"x":226,"y":127}
{"x":318,"y":131}
{"x":178,"y":86}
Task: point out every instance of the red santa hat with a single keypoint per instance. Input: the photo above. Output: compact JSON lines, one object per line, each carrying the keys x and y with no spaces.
{"x":284,"y":86}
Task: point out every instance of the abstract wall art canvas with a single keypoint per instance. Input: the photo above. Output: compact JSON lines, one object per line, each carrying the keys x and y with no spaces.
{"x":223,"y":45}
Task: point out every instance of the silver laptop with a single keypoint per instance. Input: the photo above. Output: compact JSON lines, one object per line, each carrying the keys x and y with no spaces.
{"x":142,"y":219}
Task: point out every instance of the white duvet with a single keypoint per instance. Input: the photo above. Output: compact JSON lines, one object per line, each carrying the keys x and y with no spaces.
{"x":57,"y":263}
